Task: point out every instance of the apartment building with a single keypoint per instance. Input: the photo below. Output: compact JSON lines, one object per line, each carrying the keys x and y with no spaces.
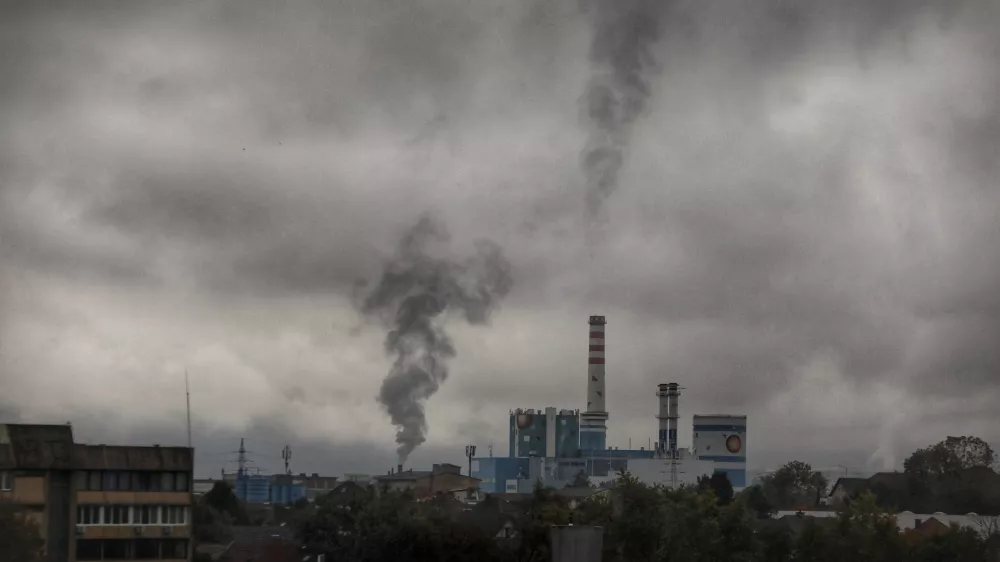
{"x":99,"y":502}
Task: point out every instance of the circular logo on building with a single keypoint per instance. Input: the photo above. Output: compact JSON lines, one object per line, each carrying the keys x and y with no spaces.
{"x":523,"y":421}
{"x":734,"y":444}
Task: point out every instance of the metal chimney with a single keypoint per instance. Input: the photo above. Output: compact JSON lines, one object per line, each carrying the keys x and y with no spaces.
{"x":673,"y":393}
{"x":663,"y":417}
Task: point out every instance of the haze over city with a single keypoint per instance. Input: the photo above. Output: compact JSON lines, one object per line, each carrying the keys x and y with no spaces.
{"x":802,"y":229}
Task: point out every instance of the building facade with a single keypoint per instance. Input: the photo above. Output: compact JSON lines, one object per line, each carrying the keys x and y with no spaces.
{"x":544,"y":433}
{"x":722,"y":439}
{"x":441,"y":479}
{"x":98,"y":502}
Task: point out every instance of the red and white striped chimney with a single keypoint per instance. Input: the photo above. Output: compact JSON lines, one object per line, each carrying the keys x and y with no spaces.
{"x":595,"y":366}
{"x":593,"y":422}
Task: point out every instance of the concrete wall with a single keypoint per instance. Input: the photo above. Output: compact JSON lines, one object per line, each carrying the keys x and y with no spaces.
{"x":657,"y":471}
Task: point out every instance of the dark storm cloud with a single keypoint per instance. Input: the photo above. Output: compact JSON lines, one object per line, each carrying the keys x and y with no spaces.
{"x":809,"y":179}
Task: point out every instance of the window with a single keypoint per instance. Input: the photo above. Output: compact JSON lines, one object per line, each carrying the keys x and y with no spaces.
{"x":88,"y":549}
{"x":94,"y":481}
{"x":167,"y":481}
{"x":147,"y":514}
{"x":88,"y":515}
{"x":6,"y":481}
{"x":182,"y":481}
{"x":117,"y":515}
{"x":174,"y":515}
{"x":147,"y":482}
{"x":117,"y":481}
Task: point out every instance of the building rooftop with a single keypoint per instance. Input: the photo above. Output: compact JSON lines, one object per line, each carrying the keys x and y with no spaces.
{"x":46,"y":447}
{"x":405,"y":475}
{"x":850,"y":486}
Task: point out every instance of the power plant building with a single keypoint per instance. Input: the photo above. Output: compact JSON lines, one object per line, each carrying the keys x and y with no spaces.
{"x":555,"y":446}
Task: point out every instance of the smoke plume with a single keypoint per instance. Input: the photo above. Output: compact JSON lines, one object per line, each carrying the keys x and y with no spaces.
{"x":618,"y":89}
{"x":415,"y":289}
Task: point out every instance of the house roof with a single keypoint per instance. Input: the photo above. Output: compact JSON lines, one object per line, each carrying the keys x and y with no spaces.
{"x":404,"y":476}
{"x":850,"y":486}
{"x":895,"y":480}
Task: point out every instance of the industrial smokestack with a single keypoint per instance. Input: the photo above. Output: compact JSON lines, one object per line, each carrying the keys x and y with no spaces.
{"x":399,"y":468}
{"x":595,"y":365}
{"x":673,"y":393}
{"x":593,"y":429}
{"x":662,"y":416}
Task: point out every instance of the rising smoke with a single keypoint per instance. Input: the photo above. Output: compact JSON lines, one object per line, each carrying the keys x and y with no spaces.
{"x":621,"y":59}
{"x":416,"y":288}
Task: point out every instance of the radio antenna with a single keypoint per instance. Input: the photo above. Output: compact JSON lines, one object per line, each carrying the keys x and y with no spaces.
{"x":187,"y":396}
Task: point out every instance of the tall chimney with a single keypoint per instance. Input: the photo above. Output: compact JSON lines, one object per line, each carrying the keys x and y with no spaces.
{"x":399,"y":468}
{"x":673,"y":393}
{"x":593,"y":427}
{"x":662,"y":417}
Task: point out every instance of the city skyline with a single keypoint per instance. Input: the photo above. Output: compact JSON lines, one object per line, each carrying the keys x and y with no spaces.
{"x":803,"y":227}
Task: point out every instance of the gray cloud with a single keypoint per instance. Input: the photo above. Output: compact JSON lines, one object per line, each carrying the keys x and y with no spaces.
{"x":807,"y":213}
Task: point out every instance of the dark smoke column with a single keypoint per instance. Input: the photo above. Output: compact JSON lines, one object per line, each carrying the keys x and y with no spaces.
{"x":616,"y":95}
{"x":415,"y":289}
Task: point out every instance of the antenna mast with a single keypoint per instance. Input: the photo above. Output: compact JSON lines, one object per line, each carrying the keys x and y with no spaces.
{"x":187,"y":395}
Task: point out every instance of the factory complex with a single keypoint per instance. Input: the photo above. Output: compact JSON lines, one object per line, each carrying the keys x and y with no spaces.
{"x":557,"y":446}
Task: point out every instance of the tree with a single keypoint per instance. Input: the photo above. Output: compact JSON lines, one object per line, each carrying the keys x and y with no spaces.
{"x":581,"y":480}
{"x":956,"y":545}
{"x":949,"y":456}
{"x":865,"y":531}
{"x":222,"y":499}
{"x":793,"y":485}
{"x":758,"y":502}
{"x":718,"y":483}
{"x":19,"y":536}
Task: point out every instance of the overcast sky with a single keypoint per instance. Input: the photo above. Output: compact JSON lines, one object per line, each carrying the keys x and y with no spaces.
{"x":805,"y":230}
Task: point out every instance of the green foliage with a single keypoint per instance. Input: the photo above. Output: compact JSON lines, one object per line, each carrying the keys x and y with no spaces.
{"x":794,"y":485}
{"x":221,"y":499}
{"x":641,"y":524}
{"x":20,"y":540}
{"x":393,"y":527}
{"x":210,"y":526}
{"x":757,"y":501}
{"x":719,"y":484}
{"x":958,"y":545}
{"x":948,"y":456}
{"x":954,"y":475}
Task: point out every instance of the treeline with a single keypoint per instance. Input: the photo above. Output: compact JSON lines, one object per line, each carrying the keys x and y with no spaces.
{"x":641,"y":523}
{"x":955,"y":476}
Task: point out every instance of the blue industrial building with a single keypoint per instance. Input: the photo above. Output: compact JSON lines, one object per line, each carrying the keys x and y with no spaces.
{"x":554,"y":446}
{"x":258,"y":488}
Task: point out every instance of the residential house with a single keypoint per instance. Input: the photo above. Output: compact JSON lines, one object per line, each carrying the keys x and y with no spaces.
{"x":846,"y":489}
{"x":347,"y":494}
